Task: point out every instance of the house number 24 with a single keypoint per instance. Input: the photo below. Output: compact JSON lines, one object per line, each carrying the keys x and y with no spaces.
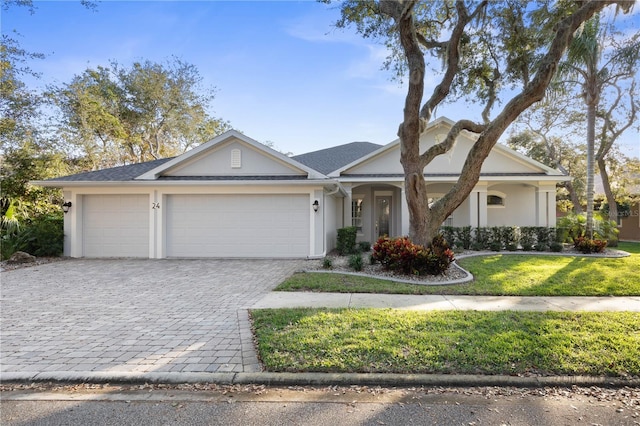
{"x":155,"y":206}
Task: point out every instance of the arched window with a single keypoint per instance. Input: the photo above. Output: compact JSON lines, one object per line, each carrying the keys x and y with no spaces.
{"x":496,"y":199}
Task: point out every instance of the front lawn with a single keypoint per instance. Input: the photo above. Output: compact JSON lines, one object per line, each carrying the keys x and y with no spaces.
{"x":455,"y":342}
{"x":513,"y":275}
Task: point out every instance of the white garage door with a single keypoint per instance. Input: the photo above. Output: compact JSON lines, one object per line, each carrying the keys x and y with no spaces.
{"x":237,"y":225}
{"x":115,"y":225}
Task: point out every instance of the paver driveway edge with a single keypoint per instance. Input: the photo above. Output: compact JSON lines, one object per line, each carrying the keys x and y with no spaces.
{"x":134,"y":316}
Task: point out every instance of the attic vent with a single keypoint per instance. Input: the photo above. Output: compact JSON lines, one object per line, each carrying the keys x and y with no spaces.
{"x":236,"y":159}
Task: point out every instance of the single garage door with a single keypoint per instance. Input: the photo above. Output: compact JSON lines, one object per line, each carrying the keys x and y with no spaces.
{"x":115,"y":225}
{"x":237,"y":225}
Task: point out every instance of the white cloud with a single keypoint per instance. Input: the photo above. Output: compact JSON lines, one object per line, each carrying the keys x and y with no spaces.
{"x":320,"y":28}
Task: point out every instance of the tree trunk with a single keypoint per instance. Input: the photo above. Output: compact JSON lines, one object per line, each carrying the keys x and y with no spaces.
{"x":577,"y":208}
{"x":591,"y":126}
{"x":611,"y":199}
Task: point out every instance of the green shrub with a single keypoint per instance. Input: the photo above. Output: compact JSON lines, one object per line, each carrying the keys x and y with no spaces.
{"x":556,"y":247}
{"x":39,"y":236}
{"x":364,"y":246}
{"x":527,"y":237}
{"x":483,"y":238}
{"x":574,"y":226}
{"x":544,"y":236}
{"x":509,"y":235}
{"x":477,"y":246}
{"x":346,"y":243}
{"x":586,"y":245}
{"x":495,"y":238}
{"x":327,"y":263}
{"x":605,"y":229}
{"x":355,"y":262}
{"x":449,"y":234}
{"x":495,"y":245}
{"x":463,"y":236}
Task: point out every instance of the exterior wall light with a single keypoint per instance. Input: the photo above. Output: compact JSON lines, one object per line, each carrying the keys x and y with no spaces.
{"x":66,"y":206}
{"x":315,"y":205}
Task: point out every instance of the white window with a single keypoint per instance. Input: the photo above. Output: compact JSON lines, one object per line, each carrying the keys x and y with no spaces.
{"x":236,"y":159}
{"x":356,"y":212}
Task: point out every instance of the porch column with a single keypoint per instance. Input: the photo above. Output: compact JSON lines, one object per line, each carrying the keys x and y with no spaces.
{"x":404,"y":213}
{"x":545,"y":205}
{"x":346,"y":206}
{"x":478,"y":206}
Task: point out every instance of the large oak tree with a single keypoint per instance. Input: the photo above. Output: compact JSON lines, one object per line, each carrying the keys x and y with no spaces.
{"x":510,"y":48}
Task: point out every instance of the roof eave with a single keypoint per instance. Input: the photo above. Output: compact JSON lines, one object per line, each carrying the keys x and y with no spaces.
{"x":169,"y":183}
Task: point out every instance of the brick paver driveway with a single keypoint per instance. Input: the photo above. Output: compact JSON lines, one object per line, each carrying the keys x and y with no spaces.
{"x":134,"y":315}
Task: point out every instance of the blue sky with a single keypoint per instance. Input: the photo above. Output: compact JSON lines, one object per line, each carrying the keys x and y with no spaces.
{"x":282,"y":73}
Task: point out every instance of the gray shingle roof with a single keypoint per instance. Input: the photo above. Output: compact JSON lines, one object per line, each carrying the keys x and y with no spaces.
{"x":113,"y":174}
{"x":327,"y":160}
{"x":324,"y":161}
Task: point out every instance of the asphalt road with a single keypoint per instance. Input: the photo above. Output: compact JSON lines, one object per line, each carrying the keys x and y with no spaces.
{"x":259,"y":405}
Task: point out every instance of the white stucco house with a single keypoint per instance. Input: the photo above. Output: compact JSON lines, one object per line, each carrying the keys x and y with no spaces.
{"x":234,"y":197}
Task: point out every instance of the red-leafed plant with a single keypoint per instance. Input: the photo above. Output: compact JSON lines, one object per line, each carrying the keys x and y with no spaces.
{"x":401,"y":255}
{"x":586,"y":245}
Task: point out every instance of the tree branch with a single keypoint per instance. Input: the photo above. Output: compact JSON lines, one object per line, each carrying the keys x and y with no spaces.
{"x":448,"y":142}
{"x":453,"y":59}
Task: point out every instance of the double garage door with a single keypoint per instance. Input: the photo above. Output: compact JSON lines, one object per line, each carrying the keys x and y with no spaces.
{"x":237,"y":225}
{"x":270,"y":225}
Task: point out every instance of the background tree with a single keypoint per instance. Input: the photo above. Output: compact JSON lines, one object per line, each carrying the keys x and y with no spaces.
{"x":485,"y":47}
{"x":612,"y":126}
{"x":18,"y":104}
{"x":559,"y":153}
{"x":118,"y":115}
{"x":549,"y":132}
{"x":593,"y":70}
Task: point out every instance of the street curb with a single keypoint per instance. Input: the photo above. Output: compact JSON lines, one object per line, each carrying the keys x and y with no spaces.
{"x":319,"y":379}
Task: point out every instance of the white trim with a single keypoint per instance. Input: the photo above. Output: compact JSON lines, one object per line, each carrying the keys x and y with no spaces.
{"x":180,"y":183}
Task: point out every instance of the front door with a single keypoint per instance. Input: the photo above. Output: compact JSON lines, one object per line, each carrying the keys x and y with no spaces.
{"x":382,"y":215}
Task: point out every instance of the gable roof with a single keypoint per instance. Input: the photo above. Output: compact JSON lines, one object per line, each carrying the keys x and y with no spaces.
{"x":446,"y":124}
{"x":218,"y":140}
{"x":327,"y":160}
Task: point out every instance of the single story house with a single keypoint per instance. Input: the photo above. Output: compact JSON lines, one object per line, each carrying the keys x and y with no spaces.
{"x":235,"y":197}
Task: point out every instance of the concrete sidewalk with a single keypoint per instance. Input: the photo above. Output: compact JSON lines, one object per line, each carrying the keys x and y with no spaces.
{"x":429,"y":302}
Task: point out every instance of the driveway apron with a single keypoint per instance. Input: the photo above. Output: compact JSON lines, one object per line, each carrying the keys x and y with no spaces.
{"x":124,"y":315}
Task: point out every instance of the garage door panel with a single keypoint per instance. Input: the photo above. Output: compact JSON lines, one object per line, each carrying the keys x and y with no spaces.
{"x":237,"y":225}
{"x":116,"y":225}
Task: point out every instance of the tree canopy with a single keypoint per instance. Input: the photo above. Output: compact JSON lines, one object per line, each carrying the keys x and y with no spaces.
{"x":499,"y":52}
{"x":119,"y":115}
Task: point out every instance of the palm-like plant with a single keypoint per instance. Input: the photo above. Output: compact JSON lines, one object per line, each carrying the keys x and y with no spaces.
{"x":581,"y":66}
{"x":587,"y":67}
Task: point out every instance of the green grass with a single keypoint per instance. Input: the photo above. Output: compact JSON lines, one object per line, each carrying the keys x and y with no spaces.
{"x":456,"y":342}
{"x":514,"y":275}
